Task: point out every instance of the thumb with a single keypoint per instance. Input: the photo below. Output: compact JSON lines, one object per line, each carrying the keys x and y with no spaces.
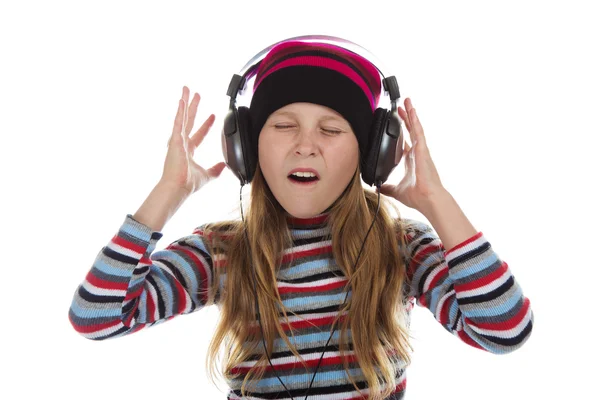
{"x":387,"y":189}
{"x":216,"y":169}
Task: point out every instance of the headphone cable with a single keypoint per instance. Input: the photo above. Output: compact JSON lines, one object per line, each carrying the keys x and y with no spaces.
{"x":378,"y":185}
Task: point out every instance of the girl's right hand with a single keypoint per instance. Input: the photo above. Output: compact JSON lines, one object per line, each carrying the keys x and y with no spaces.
{"x":180,"y":170}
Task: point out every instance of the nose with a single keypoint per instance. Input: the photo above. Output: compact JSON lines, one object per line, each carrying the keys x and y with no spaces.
{"x":306,"y":145}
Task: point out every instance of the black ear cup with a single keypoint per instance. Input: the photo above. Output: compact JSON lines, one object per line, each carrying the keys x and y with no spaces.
{"x":249,"y":149}
{"x":369,"y":160}
{"x":237,"y":149}
{"x":385,"y":147}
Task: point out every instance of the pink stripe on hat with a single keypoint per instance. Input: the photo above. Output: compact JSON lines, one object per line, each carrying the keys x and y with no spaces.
{"x":361,"y":71}
{"x":325,"y":62}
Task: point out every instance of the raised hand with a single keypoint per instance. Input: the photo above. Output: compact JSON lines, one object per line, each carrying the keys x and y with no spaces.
{"x":421,"y":181}
{"x":180,"y":170}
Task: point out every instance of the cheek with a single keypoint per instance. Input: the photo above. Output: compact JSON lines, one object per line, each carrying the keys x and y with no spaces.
{"x":346,"y":161}
{"x":267,"y":154}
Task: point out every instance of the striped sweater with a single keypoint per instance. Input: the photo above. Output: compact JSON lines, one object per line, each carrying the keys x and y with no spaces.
{"x":468,"y":289}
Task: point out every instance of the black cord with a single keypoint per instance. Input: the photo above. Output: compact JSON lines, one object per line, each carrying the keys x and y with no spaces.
{"x":378,"y":184}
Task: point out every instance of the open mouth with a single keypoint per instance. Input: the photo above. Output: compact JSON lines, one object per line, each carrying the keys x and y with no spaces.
{"x":302,"y":179}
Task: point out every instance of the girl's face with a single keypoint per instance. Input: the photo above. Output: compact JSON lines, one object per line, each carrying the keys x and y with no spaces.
{"x":308,"y":137}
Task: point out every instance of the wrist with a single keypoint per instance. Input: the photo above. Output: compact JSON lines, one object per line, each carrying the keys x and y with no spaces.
{"x":435,"y":202}
{"x":172,"y":189}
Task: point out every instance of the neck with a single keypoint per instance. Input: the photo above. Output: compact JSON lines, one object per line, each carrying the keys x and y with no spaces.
{"x":303,"y":228}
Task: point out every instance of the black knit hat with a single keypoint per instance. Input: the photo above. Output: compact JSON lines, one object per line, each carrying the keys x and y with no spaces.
{"x":316,"y":73}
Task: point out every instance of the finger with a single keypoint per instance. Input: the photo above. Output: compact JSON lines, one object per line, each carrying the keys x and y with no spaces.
{"x":387,"y":189}
{"x":408,"y":123}
{"x":404,"y":117}
{"x":185,"y":96}
{"x":202,"y":131}
{"x":411,"y":121}
{"x":192,"y":114}
{"x":408,"y":103}
{"x":178,"y":119}
{"x":216,"y":169}
{"x":418,"y":128}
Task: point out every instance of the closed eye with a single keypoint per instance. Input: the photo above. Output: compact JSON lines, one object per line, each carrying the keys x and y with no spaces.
{"x":328,"y":131}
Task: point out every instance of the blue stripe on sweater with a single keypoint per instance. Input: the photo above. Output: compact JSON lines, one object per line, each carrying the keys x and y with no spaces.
{"x":497,"y":310}
{"x":142,"y":307}
{"x":301,"y":379}
{"x":95,"y":312}
{"x":310,"y":302}
{"x":135,"y":282}
{"x":304,"y":267}
{"x":306,"y":233}
{"x":299,"y":340}
{"x":453,"y":312}
{"x":134,"y":228}
{"x":474,"y":268}
{"x":110,"y":270}
{"x":196,"y":241}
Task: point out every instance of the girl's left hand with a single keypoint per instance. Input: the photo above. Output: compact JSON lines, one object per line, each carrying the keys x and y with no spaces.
{"x":421,"y":182}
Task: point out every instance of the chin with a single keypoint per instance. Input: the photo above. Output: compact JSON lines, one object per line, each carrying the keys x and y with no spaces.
{"x":297,"y":211}
{"x":301,"y":213}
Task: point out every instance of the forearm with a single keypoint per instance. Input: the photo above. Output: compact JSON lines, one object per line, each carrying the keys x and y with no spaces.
{"x":448,"y":220}
{"x":160,"y":206}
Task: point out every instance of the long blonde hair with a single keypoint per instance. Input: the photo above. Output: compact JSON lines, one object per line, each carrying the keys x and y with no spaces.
{"x":376,"y":310}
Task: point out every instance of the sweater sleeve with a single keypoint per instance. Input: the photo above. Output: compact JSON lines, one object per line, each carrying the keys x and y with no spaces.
{"x":470,"y":291}
{"x":130,"y":288}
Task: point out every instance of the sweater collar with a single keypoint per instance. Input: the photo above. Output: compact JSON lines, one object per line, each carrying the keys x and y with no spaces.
{"x":305,"y":228}
{"x":316,"y":222}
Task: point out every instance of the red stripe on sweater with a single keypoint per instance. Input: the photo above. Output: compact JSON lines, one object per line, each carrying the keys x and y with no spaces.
{"x":317,"y":220}
{"x":95,"y":327}
{"x":306,"y":253}
{"x":118,"y":240}
{"x":322,"y":321}
{"x":484,"y":280}
{"x":420,"y":257}
{"x":136,"y":294}
{"x":435,"y":279}
{"x":104,"y":284}
{"x":464,"y":243}
{"x":334,"y":360}
{"x":150,"y":307}
{"x":312,"y":289}
{"x":467,"y":339}
{"x":505,"y":325}
{"x":309,"y":323}
{"x":444,"y":311}
{"x":306,"y":323}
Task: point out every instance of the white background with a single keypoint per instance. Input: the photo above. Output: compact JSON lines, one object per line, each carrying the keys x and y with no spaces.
{"x":508,"y":96}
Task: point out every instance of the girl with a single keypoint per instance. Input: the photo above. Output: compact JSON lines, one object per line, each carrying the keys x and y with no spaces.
{"x":302,"y":315}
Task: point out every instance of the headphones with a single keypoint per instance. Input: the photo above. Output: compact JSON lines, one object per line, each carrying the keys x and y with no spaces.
{"x":385,"y":143}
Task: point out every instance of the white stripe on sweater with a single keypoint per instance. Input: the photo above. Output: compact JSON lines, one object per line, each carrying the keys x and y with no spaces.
{"x":490,"y":287}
